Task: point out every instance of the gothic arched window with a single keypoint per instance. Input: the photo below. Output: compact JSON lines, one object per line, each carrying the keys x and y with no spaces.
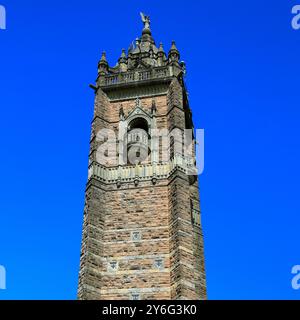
{"x":138,"y":141}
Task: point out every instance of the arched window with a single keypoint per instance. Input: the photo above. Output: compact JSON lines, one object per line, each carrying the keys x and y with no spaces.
{"x":139,"y":123}
{"x":138,"y":141}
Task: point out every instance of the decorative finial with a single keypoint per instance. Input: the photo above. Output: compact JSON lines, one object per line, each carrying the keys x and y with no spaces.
{"x":146,"y":20}
{"x":103,"y":58}
{"x":161,"y":48}
{"x":122,"y":62}
{"x":123,"y":56}
{"x":173,"y":47}
{"x":174,"y":53}
{"x":103,"y":64}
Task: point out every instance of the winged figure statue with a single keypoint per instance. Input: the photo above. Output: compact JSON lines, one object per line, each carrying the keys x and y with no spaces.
{"x":146,"y":20}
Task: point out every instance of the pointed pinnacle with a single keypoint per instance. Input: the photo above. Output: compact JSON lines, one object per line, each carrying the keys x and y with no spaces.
{"x":103,"y":57}
{"x":161,"y":48}
{"x":173,"y":47}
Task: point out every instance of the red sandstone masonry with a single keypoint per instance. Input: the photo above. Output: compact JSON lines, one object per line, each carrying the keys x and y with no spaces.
{"x":161,"y":212}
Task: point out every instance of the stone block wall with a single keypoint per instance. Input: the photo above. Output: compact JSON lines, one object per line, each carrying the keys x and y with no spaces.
{"x":139,"y":240}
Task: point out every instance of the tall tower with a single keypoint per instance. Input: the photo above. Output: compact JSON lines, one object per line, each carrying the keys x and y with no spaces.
{"x":142,"y":235}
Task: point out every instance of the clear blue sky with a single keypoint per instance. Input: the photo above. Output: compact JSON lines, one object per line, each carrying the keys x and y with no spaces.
{"x":243,"y":63}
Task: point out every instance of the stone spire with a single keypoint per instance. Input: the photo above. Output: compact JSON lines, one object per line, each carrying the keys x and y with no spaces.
{"x":173,"y":47}
{"x":142,"y":55}
{"x":123,"y":54}
{"x":103,"y":64}
{"x":123,"y":61}
{"x":103,"y":57}
{"x":161,"y":49}
{"x":173,"y":55}
{"x":161,"y":55}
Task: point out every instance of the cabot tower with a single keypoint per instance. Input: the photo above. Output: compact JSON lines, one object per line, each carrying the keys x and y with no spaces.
{"x":142,"y":235}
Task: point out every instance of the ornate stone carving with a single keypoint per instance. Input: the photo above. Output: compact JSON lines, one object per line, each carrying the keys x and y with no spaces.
{"x":138,"y":172}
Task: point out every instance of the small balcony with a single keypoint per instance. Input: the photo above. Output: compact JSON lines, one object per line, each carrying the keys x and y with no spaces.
{"x":133,"y":76}
{"x":141,"y":171}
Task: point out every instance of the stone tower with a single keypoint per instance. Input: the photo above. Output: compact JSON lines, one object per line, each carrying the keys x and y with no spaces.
{"x":142,"y":235}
